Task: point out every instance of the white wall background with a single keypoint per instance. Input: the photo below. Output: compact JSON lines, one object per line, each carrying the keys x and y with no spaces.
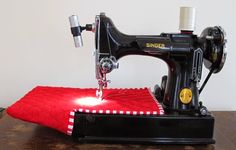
{"x":36,"y":47}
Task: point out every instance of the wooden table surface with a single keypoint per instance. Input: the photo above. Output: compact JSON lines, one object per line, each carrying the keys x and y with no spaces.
{"x":16,"y":134}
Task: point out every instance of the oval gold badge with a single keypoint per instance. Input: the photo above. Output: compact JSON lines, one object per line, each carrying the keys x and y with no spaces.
{"x":185,"y":95}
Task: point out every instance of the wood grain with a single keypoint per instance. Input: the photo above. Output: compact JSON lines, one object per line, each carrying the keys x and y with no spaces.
{"x":16,"y":134}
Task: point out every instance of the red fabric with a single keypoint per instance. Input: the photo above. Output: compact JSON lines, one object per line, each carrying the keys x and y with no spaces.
{"x":54,"y":106}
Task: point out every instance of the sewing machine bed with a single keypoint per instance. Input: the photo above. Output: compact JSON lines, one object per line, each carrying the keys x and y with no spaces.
{"x":124,"y":115}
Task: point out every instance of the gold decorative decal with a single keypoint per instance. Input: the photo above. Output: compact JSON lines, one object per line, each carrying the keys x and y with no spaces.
{"x":155,"y":45}
{"x":185,"y":95}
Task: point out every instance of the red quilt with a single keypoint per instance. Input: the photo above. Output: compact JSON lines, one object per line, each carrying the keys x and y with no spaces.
{"x":54,"y":107}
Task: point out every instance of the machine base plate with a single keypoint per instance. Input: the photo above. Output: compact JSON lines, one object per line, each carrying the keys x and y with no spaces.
{"x":163,"y":129}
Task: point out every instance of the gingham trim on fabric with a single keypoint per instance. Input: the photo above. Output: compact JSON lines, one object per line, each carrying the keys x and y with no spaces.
{"x":161,"y":110}
{"x":70,"y":123}
{"x":121,"y":112}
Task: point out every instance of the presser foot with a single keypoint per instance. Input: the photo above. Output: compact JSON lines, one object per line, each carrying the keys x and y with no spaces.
{"x":99,"y":94}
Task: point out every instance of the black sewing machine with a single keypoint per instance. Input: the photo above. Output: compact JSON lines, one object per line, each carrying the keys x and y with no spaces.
{"x":186,"y":120}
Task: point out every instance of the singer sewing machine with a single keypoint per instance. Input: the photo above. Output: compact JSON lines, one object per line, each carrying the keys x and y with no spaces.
{"x":186,"y":119}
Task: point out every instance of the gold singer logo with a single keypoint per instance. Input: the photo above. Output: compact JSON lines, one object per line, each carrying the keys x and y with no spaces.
{"x":155,"y":45}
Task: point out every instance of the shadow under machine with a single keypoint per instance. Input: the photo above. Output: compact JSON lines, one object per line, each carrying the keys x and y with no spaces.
{"x":185,"y":120}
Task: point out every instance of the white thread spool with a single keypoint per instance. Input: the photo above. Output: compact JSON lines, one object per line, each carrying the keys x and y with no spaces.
{"x":187,"y":19}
